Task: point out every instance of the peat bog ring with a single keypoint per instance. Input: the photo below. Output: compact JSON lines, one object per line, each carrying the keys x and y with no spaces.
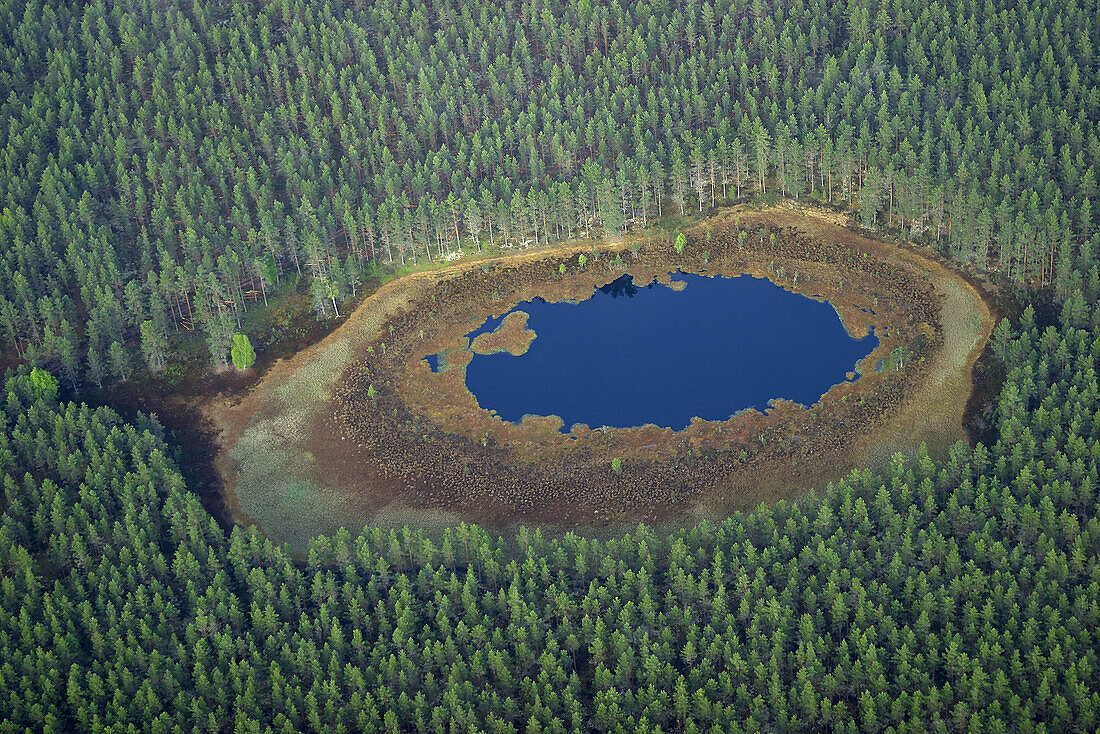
{"x":360,"y":428}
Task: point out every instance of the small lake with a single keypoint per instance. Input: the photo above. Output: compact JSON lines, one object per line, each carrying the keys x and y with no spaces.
{"x":633,"y":355}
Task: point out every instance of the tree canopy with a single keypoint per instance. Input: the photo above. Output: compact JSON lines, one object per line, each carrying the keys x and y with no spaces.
{"x":164,"y":167}
{"x":175,"y":163}
{"x":932,"y":597}
{"x":244,"y":356}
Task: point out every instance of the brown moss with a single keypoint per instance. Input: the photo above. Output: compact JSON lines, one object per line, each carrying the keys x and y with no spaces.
{"x":663,"y":462}
{"x":511,"y":336}
{"x":459,"y":358}
{"x":426,"y":432}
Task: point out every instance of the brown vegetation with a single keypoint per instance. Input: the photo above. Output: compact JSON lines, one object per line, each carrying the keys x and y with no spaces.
{"x":360,"y":422}
{"x":511,"y":336}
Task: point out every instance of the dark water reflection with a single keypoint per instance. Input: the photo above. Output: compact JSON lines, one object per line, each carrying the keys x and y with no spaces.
{"x":634,"y":355}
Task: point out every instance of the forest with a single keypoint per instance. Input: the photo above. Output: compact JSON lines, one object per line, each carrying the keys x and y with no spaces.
{"x":954,"y":596}
{"x":174,"y":163}
{"x":166,"y":168}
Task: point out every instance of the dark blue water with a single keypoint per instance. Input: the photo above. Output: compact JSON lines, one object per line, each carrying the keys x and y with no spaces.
{"x":633,"y":355}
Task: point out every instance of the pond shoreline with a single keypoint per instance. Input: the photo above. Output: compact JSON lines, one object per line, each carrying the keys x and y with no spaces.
{"x":307,"y":450}
{"x":636,"y":353}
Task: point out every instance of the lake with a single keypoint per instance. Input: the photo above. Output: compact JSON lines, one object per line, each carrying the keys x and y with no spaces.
{"x":633,"y":355}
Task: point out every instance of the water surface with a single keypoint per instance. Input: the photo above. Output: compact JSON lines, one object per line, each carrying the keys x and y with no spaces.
{"x":631,"y":355}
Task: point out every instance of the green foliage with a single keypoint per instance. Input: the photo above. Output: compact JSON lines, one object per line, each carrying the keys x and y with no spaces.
{"x":681,"y":240}
{"x":582,"y":259}
{"x":154,"y":346}
{"x":617,"y":465}
{"x":160,"y":164}
{"x":43,"y":384}
{"x":170,"y":168}
{"x":119,"y":361}
{"x":243,"y":355}
{"x":885,"y":602}
{"x":371,"y":390}
{"x":268,"y":268}
{"x":561,"y":269}
{"x":900,"y":356}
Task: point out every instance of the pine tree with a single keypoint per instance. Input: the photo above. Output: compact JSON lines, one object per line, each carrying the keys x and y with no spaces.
{"x":154,"y":347}
{"x":119,"y":360}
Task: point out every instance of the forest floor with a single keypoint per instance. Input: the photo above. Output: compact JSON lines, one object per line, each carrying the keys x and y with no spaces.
{"x":295,"y":458}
